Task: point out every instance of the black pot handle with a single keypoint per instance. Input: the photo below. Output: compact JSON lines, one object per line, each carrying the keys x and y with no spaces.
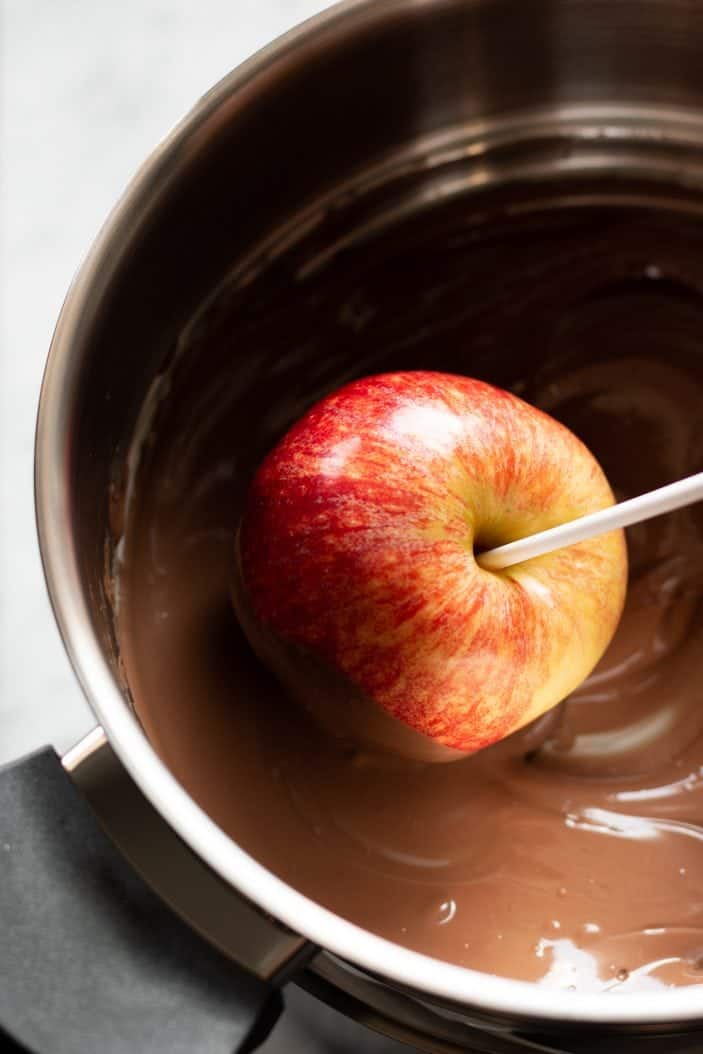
{"x":91,"y":959}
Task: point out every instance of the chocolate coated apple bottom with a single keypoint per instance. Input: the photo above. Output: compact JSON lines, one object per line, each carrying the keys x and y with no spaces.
{"x":571,"y":854}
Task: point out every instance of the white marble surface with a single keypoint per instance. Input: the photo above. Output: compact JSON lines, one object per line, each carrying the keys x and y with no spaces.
{"x":88,"y":89}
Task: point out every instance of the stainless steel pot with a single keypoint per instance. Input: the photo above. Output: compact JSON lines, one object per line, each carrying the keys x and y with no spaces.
{"x":379,"y":108}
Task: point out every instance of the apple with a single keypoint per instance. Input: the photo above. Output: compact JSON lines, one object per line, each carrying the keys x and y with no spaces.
{"x":356,"y":578}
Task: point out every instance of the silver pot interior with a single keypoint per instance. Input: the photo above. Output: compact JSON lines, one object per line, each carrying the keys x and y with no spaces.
{"x":411,"y":185}
{"x":333,"y":107}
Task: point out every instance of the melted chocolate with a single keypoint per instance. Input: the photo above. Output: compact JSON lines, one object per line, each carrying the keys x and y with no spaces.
{"x":571,"y":854}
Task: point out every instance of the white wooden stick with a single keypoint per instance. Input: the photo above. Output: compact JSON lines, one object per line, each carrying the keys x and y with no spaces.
{"x":665,"y":499}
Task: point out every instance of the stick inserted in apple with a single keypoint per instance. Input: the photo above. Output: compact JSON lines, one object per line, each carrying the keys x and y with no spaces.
{"x":644,"y":507}
{"x":357,"y":580}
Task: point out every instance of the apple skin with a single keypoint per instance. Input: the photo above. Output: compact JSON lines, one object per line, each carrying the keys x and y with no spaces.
{"x":356,"y":573}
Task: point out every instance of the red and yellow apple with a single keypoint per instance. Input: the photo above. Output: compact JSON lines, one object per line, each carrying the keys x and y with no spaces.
{"x":357,"y":579}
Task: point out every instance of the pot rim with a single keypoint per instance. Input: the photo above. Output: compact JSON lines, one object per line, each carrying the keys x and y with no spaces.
{"x":421,"y":973}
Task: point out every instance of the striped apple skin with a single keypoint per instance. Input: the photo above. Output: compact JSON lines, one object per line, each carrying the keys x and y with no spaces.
{"x":357,"y":547}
